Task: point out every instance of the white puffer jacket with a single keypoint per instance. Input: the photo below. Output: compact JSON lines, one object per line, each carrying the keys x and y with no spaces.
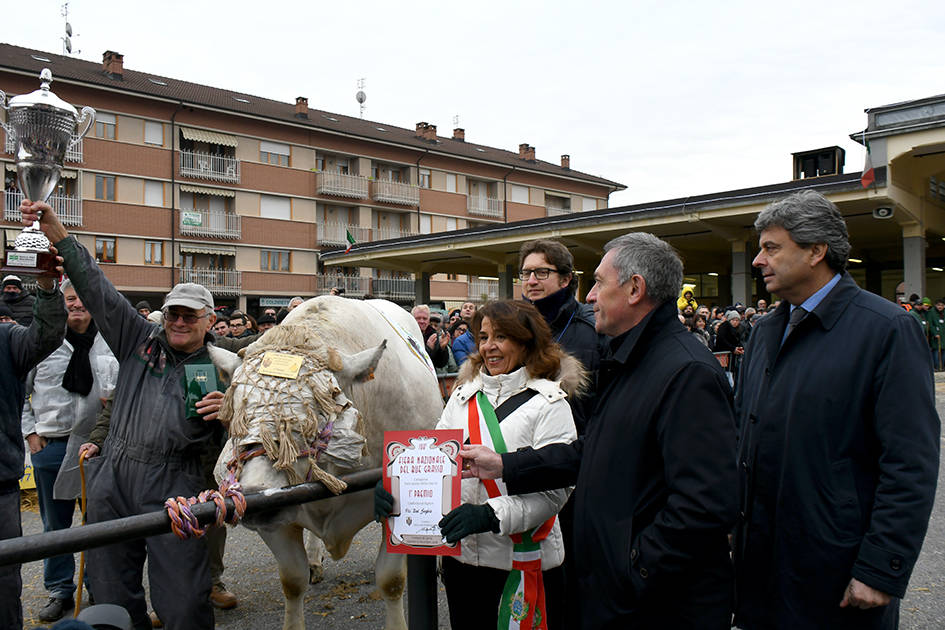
{"x":543,"y":419}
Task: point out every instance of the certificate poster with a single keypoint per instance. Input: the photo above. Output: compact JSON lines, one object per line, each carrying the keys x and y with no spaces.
{"x":422,"y":471}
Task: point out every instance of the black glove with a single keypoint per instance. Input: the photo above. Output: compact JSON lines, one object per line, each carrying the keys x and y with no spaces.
{"x":383,"y":502}
{"x":468,"y":519}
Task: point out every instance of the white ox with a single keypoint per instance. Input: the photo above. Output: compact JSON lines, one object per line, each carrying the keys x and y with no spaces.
{"x":363,"y":339}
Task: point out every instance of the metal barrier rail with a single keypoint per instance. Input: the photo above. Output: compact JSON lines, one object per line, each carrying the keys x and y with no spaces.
{"x":421,"y":570}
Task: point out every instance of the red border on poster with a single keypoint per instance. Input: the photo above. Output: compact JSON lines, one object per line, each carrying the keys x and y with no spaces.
{"x":447,"y":442}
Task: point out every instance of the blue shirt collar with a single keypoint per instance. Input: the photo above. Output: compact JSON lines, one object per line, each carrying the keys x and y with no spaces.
{"x":811,"y":303}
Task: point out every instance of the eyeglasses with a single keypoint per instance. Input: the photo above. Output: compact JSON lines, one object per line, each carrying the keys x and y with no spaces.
{"x":541,"y":273}
{"x":173,"y":316}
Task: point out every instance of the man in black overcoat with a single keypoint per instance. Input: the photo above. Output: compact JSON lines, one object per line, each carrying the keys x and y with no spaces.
{"x":839,"y":437}
{"x":655,"y":470}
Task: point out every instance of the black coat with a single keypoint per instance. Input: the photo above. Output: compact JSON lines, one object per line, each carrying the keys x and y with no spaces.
{"x":654,"y":475}
{"x":22,"y":307}
{"x":838,"y":461}
{"x":573,"y":329}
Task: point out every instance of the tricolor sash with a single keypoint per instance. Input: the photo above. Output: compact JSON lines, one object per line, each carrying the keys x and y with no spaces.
{"x":523,"y":600}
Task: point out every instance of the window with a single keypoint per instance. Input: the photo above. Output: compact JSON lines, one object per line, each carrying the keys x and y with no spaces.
{"x":105,"y":187}
{"x":519,"y":194}
{"x":271,"y":207}
{"x":105,"y":249}
{"x":450,"y":224}
{"x":153,"y":132}
{"x":425,"y":227}
{"x":154,"y":193}
{"x":274,"y":153}
{"x":450,"y":182}
{"x":341,"y":166}
{"x":105,"y":125}
{"x":452,"y":276}
{"x":320,"y":163}
{"x":424,"y":178}
{"x":374,"y":173}
{"x":589,"y":204}
{"x":274,"y":260}
{"x":154,"y":252}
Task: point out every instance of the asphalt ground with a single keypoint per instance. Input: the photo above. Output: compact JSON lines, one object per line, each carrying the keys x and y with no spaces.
{"x":347,"y":599}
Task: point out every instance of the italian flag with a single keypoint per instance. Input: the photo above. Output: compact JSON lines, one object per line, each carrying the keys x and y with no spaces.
{"x":350,"y":240}
{"x":869,"y":176}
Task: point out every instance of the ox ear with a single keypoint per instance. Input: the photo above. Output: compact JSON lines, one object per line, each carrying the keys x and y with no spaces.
{"x":226,"y":361}
{"x":359,"y":367}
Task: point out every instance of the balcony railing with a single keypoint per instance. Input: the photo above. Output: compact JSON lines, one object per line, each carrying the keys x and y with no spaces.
{"x":333,"y":233}
{"x":554,"y":211}
{"x":484,"y":206}
{"x":383,"y":234}
{"x":68,"y":208}
{"x":342,"y":185}
{"x":73,"y":153}
{"x":396,"y":192}
{"x":221,"y":168}
{"x":217,"y":281}
{"x":212,"y":223}
{"x":482,"y":289}
{"x":392,"y":288}
{"x":354,"y":286}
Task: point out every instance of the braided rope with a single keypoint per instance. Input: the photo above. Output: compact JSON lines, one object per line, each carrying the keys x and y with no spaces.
{"x":183,"y":522}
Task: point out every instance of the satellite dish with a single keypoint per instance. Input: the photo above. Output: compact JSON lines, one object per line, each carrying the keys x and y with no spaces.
{"x":68,"y":45}
{"x":68,"y":29}
{"x":361,"y":96}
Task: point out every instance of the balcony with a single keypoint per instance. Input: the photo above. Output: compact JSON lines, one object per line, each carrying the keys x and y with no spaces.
{"x":393,"y":288}
{"x":484,"y":206}
{"x":210,"y":223}
{"x":555,"y":211}
{"x":73,"y":153}
{"x":482,"y":289}
{"x":220,"y":168}
{"x":396,"y":192}
{"x":342,"y":185}
{"x":68,"y":208}
{"x":383,"y":234}
{"x":354,"y":286}
{"x":333,"y":233}
{"x":217,"y":281}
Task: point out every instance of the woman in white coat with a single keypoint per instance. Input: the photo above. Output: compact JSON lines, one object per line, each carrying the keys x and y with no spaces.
{"x":510,"y":394}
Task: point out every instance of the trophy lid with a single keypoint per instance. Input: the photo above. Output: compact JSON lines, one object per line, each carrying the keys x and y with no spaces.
{"x":43,"y":97}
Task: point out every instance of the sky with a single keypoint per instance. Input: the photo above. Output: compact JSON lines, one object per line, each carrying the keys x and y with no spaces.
{"x":669,"y":98}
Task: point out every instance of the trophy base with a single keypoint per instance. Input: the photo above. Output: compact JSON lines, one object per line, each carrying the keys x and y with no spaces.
{"x":30,"y":263}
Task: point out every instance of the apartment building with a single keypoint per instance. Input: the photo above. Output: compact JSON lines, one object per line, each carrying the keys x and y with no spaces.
{"x":186,"y":182}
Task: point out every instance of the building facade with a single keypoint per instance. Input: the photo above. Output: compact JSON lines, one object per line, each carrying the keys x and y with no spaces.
{"x":184,"y":182}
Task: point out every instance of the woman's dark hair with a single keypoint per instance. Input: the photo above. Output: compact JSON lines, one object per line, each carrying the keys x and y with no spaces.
{"x":522,"y":323}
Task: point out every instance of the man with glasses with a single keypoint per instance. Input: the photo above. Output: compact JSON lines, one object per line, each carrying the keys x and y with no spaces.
{"x":154,"y":446}
{"x":238,"y":327}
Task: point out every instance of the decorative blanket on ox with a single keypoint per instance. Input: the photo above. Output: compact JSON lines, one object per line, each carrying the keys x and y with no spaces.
{"x":310,"y":400}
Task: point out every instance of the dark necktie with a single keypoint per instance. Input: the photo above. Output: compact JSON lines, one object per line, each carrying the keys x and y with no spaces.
{"x":796,"y":316}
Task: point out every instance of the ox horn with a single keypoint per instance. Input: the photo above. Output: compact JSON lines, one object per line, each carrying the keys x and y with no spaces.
{"x":226,"y":361}
{"x":359,"y":367}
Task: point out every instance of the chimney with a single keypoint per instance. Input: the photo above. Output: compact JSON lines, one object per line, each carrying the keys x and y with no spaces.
{"x":459,"y":134}
{"x":426,"y":131}
{"x":566,"y":161}
{"x":301,"y":107}
{"x":526,"y":152}
{"x":113,"y":64}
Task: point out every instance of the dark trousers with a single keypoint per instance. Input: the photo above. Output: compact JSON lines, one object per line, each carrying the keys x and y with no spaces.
{"x":58,"y":571}
{"x":11,"y":585}
{"x":473,"y":594}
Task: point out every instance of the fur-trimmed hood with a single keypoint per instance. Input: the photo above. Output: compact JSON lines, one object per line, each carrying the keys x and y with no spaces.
{"x":572,"y":378}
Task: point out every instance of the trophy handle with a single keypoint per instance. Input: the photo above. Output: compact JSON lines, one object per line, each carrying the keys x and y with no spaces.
{"x":85,"y":123}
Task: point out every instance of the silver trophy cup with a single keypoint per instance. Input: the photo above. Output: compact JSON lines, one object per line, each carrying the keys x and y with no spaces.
{"x":44,"y":128}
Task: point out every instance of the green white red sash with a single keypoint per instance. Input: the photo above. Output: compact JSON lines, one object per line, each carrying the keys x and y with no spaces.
{"x":522,"y":605}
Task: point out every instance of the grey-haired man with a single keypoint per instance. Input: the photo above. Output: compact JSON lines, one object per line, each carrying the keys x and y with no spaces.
{"x":154,"y":447}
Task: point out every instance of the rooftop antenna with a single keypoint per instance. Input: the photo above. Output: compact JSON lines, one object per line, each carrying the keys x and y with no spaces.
{"x":455,"y":121}
{"x":361,"y":96}
{"x":67,"y":37}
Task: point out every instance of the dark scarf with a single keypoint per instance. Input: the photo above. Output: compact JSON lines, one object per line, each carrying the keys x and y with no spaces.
{"x":550,"y":306}
{"x":78,"y":376}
